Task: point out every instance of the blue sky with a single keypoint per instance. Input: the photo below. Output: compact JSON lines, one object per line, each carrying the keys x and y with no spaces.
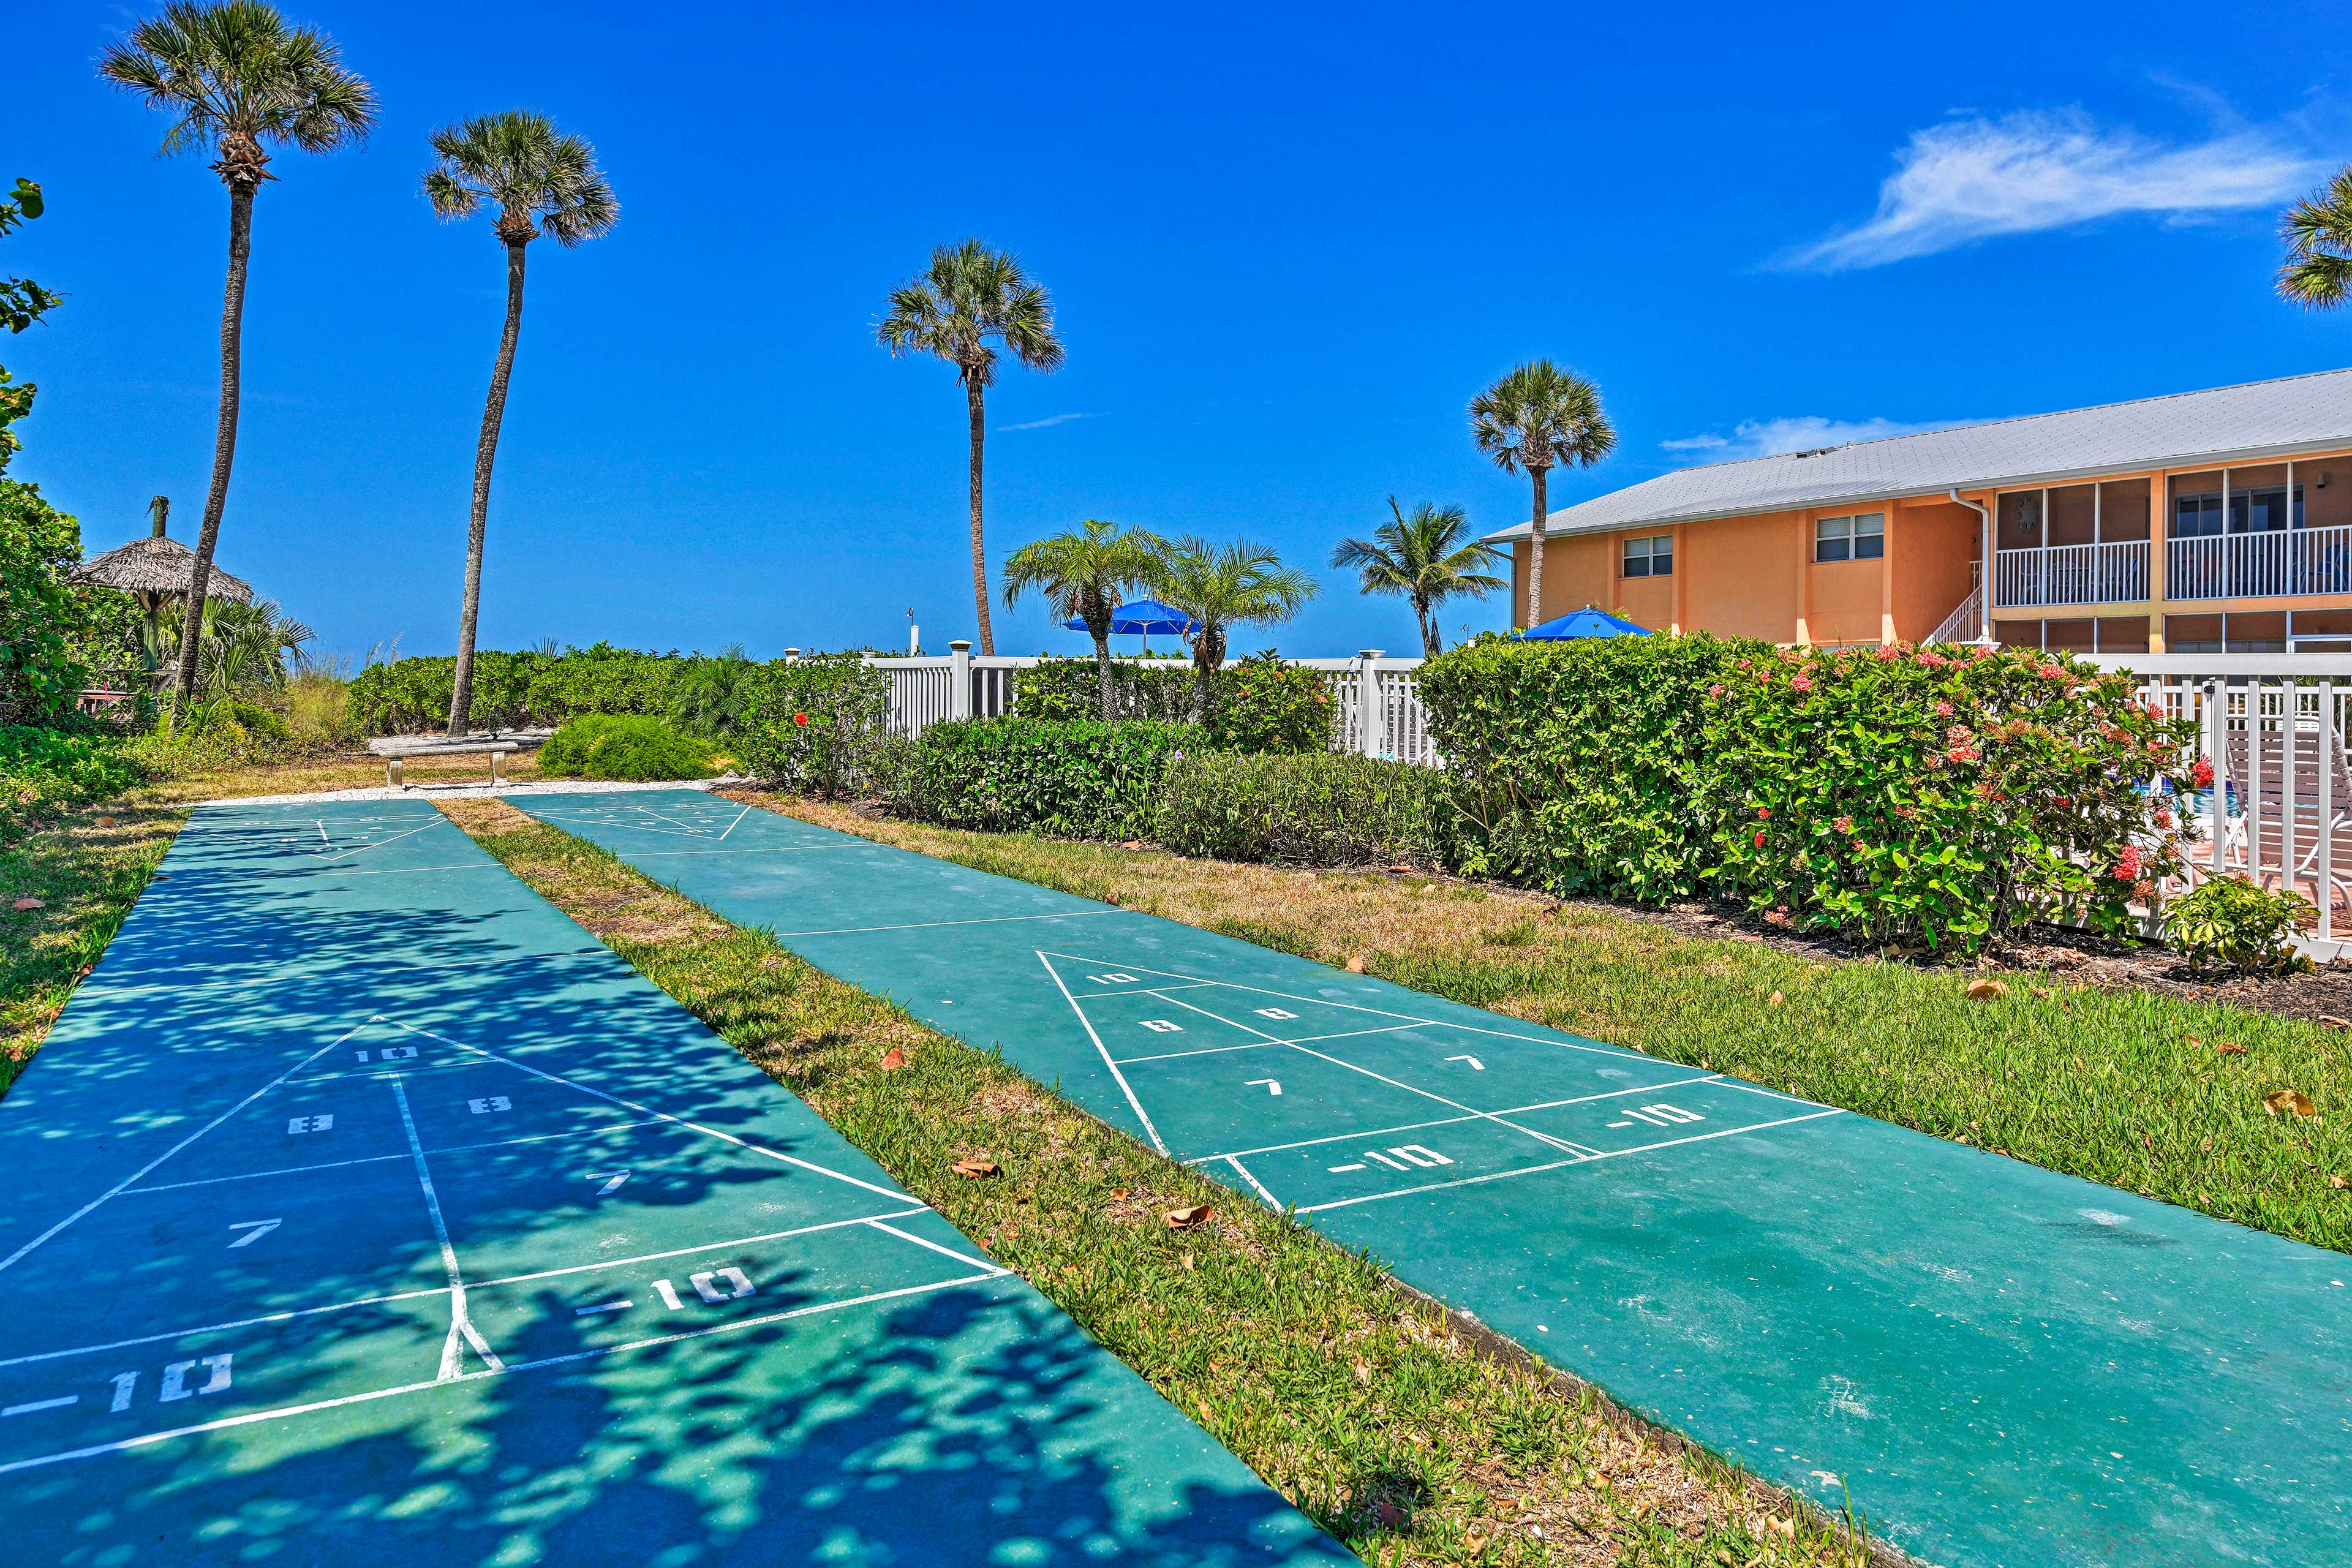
{"x":1286,"y":245}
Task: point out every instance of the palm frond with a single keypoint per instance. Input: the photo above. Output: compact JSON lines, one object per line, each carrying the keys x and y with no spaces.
{"x":540,"y":179}
{"x":235,"y":70}
{"x":2318,"y":272}
{"x":968,"y":295}
{"x":1540,"y":416}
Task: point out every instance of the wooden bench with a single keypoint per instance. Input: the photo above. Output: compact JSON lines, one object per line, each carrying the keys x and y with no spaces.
{"x":396,"y":749}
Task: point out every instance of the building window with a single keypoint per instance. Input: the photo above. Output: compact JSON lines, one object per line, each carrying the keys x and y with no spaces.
{"x":2250,"y":511}
{"x":1653,"y":557}
{"x":1860,"y":538}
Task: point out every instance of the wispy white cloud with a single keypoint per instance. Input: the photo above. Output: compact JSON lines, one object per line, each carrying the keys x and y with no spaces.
{"x":1801,"y":433}
{"x":1049,"y":420}
{"x":1974,"y":178}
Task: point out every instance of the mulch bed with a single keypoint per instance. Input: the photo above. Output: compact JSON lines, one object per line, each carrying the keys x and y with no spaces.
{"x":2080,"y":957}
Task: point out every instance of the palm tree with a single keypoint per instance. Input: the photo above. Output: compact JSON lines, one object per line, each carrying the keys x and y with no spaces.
{"x":969,"y":295}
{"x":540,"y":181}
{"x":2318,"y":232}
{"x":1537,"y":417}
{"x":1224,"y":586}
{"x":1428,"y":558}
{"x":1083,"y":575}
{"x":237,"y":79}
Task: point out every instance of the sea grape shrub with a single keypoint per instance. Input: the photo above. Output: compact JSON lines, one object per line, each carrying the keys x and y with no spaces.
{"x":1256,"y":704}
{"x":812,"y":725}
{"x":1059,"y":689}
{"x":1937,"y":796}
{"x":1307,"y":808}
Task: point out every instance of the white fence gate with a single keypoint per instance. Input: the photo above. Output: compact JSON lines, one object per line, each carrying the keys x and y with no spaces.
{"x":1377,"y":711}
{"x":2280,"y":807}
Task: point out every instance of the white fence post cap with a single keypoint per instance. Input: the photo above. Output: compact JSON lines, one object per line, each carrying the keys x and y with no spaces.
{"x":960,"y":645}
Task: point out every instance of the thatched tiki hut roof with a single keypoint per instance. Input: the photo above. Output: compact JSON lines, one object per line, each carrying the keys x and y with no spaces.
{"x":157,"y":568}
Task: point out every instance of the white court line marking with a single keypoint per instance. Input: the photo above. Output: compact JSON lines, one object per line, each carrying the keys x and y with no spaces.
{"x":630,"y":827}
{"x":739,"y":817}
{"x":312,"y":870}
{"x":753,"y":849}
{"x":923,"y":925}
{"x":1258,"y":1045}
{"x":31,"y":1406}
{"x":896,"y":1197}
{"x":377,"y":1159}
{"x":1117,"y":1076}
{"x":1561,"y":1165}
{"x":315,"y":1406}
{"x":621,"y":1306}
{"x":600,"y":954}
{"x":5,"y":1263}
{"x":1495,"y":1116}
{"x":329,"y":859}
{"x":478,"y":1286}
{"x":457,"y":1324}
{"x":1377,"y":1011}
{"x":1457,"y":1120}
{"x":1256,"y":1185}
{"x":935,"y":1246}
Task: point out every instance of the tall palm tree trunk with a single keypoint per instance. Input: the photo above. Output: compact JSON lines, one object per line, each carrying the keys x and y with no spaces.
{"x":1428,"y":642}
{"x":1536,"y":547}
{"x":486,"y":454}
{"x":972,"y":394}
{"x":232,"y":350}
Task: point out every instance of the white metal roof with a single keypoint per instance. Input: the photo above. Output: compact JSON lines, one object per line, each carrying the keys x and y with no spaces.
{"x":2261,"y":421}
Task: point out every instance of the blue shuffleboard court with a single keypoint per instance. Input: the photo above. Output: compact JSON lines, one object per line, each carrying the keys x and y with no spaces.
{"x":363,"y":1210}
{"x":1997,"y":1364}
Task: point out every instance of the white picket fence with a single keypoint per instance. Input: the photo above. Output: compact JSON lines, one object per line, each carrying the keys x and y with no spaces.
{"x":1377,"y":711}
{"x":2280,"y":808}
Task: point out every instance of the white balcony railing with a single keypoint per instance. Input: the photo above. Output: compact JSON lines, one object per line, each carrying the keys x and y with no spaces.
{"x":2260,"y":565}
{"x":2114,"y":573}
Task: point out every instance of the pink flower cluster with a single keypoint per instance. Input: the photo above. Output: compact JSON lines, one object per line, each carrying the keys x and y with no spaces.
{"x":2127,"y":868}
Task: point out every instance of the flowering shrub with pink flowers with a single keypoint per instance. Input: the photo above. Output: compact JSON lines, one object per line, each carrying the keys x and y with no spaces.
{"x":1939,"y":796}
{"x":1931,"y":797}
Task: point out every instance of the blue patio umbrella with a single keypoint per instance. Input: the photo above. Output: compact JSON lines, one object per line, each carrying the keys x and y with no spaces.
{"x":1587,"y":622}
{"x":1142,"y":618}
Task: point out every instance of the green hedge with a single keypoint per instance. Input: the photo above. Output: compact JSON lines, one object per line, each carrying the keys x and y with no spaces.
{"x":1066,"y":778}
{"x":623,"y":746}
{"x":1925,"y":796}
{"x":512,"y":691}
{"x":1325,"y":808}
{"x":45,"y":773}
{"x":812,"y":726}
{"x":1256,"y":704}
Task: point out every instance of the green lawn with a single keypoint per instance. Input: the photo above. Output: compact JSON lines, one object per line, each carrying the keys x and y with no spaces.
{"x":2118,"y":1086}
{"x":1368,"y":1411}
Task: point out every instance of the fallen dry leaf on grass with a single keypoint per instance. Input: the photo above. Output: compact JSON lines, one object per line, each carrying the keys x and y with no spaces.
{"x":106,"y":822}
{"x":2333,"y":1022}
{"x":1400,"y":866}
{"x":1473,"y":1544}
{"x":1355,"y":967}
{"x":1988,"y":990}
{"x":2279,"y":1101}
{"x":29,"y":903}
{"x":2227,"y":1049}
{"x":974,"y":1168}
{"x":1192,"y":1264}
{"x":1774,"y":1000}
{"x":2339,"y":1182}
{"x":892,"y":1059}
{"x":1192,"y":1218}
{"x":1119,"y":1194}
{"x":1505,"y":1506}
{"x":1132,"y":844}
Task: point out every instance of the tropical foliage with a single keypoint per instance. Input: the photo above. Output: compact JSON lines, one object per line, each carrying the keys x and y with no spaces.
{"x":2227,"y":920}
{"x":1312,"y":808}
{"x":814,"y":723}
{"x":22,"y":300}
{"x":967,"y":297}
{"x":1083,"y":575}
{"x":623,"y":746}
{"x":1221,"y":586}
{"x":540,"y":180}
{"x":1076,"y":779}
{"x":1533,"y":420}
{"x":1429,"y":558}
{"x":2318,"y":272}
{"x":45,"y":773}
{"x":1908,"y":795}
{"x":236,"y":79}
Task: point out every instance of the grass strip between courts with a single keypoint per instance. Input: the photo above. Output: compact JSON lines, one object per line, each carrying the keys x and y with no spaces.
{"x":86,"y":877}
{"x":1366,"y":1409}
{"x":2119,"y":1086}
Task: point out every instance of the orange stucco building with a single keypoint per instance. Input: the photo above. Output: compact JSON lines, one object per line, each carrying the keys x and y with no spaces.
{"x":2203,"y":522}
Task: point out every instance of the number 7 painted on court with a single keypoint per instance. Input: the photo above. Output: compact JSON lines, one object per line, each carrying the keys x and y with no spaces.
{"x":255,"y":1229}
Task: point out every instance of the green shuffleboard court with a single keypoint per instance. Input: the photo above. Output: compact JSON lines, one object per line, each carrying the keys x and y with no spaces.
{"x":1998,"y":1364}
{"x":363,"y":1210}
